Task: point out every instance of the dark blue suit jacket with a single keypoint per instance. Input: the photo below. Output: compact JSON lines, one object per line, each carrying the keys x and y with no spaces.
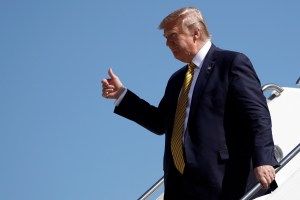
{"x":228,"y":131}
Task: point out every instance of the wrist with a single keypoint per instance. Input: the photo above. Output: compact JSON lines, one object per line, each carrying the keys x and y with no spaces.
{"x":120,"y":91}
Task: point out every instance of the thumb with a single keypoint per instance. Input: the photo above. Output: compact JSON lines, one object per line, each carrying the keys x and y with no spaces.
{"x":111,"y":73}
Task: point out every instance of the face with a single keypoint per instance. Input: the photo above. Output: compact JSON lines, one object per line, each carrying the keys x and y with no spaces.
{"x":181,"y":43}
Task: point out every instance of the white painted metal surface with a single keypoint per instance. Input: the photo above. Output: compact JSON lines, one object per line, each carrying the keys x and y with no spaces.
{"x":285,"y":113}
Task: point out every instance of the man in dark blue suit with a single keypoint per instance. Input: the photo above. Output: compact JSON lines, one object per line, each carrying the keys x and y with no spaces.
{"x":226,"y":140}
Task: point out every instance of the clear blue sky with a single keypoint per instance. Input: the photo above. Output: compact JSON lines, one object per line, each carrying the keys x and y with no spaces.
{"x":59,"y":139}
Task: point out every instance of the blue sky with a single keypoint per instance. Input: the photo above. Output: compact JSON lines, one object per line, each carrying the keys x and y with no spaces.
{"x":59,"y":139}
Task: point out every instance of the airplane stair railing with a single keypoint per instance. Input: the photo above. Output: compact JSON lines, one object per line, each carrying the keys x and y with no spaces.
{"x":282,"y":163}
{"x":277,"y":90}
{"x":272,"y":87}
{"x":152,"y":189}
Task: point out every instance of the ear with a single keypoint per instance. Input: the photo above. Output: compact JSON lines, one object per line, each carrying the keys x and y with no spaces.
{"x":197,"y":34}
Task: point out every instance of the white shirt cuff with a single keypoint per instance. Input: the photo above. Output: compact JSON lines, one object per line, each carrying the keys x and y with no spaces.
{"x":118,"y":101}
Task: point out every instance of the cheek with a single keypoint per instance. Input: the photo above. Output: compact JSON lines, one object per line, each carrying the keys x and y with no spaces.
{"x":184,"y":47}
{"x":180,"y":44}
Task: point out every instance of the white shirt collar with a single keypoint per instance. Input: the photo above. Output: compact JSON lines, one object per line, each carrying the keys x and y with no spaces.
{"x":199,"y":57}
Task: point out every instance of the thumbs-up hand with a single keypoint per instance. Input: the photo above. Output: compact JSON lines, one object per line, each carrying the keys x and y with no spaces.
{"x":112,"y":87}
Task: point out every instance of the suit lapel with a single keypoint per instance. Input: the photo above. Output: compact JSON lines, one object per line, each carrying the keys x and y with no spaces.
{"x":204,"y":74}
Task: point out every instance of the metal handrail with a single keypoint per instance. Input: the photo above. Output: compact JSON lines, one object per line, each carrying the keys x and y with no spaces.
{"x":152,"y":189}
{"x":272,"y":86}
{"x":298,"y":81}
{"x":282,"y":163}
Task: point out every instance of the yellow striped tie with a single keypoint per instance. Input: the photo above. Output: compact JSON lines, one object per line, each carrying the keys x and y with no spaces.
{"x":176,"y":140}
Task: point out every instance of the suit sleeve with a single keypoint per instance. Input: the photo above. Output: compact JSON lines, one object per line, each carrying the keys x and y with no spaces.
{"x":141,"y":112}
{"x":252,"y":104}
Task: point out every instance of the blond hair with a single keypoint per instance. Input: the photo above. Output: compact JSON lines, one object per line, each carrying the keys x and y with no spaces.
{"x":190,"y":18}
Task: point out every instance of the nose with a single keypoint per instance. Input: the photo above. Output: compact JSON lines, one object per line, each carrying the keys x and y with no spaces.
{"x":168,"y":42}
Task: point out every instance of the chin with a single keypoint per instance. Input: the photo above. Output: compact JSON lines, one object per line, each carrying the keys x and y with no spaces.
{"x":182,"y":60}
{"x":178,"y":57}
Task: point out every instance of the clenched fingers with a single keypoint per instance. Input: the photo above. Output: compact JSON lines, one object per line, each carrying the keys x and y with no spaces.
{"x":265,"y":175}
{"x":107,"y":88}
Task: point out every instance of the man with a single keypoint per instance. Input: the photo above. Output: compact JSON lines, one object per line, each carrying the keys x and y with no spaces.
{"x":214,"y":116}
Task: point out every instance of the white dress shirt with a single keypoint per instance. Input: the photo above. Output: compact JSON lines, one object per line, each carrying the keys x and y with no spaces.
{"x":198,"y":61}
